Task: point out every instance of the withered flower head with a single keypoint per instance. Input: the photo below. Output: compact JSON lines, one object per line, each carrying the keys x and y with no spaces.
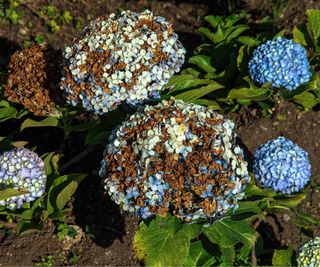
{"x":121,"y":58}
{"x":175,"y":157}
{"x":33,"y":79}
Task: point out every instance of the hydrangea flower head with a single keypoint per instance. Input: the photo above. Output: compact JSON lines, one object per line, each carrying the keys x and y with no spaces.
{"x":125,"y":58}
{"x":282,"y":165}
{"x":21,"y":169}
{"x":281,"y":62}
{"x":309,"y":254}
{"x":33,"y":79}
{"x":175,"y":157}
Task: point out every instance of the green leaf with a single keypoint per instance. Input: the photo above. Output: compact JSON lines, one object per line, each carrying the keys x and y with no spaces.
{"x":300,"y":34}
{"x":203,"y":62}
{"x":229,"y":255}
{"x":7,"y":113}
{"x":306,"y":99}
{"x":314,"y":24}
{"x":66,"y":193}
{"x":193,"y":94}
{"x":289,"y":201}
{"x":51,"y":161}
{"x":177,"y":79}
{"x":62,"y":190}
{"x":208,"y":103}
{"x":227,"y":233}
{"x":234,"y":34}
{"x":10,"y":192}
{"x":50,"y":121}
{"x":282,"y":257}
{"x":28,"y":227}
{"x":249,"y":94}
{"x":198,"y":256}
{"x":162,"y":242}
{"x":213,"y":20}
{"x":253,"y":190}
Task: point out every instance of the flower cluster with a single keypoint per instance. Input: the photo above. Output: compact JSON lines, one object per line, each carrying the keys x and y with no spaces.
{"x":23,"y":170}
{"x":309,"y":254}
{"x":125,"y":58}
{"x":175,"y":157}
{"x":281,"y":62}
{"x":282,"y":165}
{"x":33,"y":79}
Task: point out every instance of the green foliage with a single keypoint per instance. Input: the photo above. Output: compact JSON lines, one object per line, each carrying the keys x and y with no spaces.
{"x":210,"y":65}
{"x":8,"y":11}
{"x":47,"y":260}
{"x":282,"y":257}
{"x":64,"y":229}
{"x":168,"y":241}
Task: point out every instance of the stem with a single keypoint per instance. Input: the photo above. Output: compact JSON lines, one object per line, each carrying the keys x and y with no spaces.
{"x":253,"y":251}
{"x":8,"y":225}
{"x":78,"y":158}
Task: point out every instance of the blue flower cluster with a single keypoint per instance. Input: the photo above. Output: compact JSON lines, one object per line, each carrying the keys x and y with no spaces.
{"x":309,"y":254}
{"x":125,"y":58}
{"x":281,"y":62}
{"x":23,"y":170}
{"x":175,"y":157}
{"x":282,"y":165}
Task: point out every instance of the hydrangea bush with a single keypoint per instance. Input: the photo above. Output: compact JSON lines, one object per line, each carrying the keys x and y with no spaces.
{"x":175,"y":156}
{"x":309,"y":254}
{"x":282,"y":166}
{"x":121,"y":58}
{"x":23,"y":170}
{"x":281,"y":62}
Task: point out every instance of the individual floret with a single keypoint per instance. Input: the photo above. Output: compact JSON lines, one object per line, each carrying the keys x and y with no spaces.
{"x":281,"y":62}
{"x":282,"y":165}
{"x":125,"y":58}
{"x":33,"y":79}
{"x":23,"y":170}
{"x":309,"y":254}
{"x":175,"y":157}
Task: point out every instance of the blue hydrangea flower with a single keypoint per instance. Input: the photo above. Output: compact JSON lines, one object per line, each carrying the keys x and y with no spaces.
{"x":121,"y":58}
{"x":281,"y":62}
{"x":23,"y":170}
{"x":309,"y":254}
{"x":282,"y":165}
{"x":175,"y":157}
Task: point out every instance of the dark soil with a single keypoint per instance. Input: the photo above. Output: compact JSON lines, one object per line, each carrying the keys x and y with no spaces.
{"x":108,"y":233}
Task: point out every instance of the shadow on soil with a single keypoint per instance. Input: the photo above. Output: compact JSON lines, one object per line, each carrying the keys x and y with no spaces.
{"x":96,"y":213}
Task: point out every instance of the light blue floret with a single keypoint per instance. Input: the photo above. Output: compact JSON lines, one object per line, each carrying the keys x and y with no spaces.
{"x":281,"y":62}
{"x":21,"y":169}
{"x":282,"y":165}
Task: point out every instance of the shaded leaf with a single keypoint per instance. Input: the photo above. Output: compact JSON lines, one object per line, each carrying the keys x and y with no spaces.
{"x":227,"y":233}
{"x":305,"y":99}
{"x":282,"y":257}
{"x":50,"y":121}
{"x":203,"y":62}
{"x":193,"y":94}
{"x":198,"y":256}
{"x":10,"y":192}
{"x":249,"y":94}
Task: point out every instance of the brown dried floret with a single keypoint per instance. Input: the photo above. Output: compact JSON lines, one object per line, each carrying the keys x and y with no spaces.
{"x":33,"y":79}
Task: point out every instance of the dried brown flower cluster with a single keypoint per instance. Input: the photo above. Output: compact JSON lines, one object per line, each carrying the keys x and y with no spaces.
{"x":33,"y":79}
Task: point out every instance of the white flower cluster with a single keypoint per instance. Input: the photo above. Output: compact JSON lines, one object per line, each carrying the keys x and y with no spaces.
{"x":155,"y":148}
{"x":23,"y":170}
{"x":126,"y":58}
